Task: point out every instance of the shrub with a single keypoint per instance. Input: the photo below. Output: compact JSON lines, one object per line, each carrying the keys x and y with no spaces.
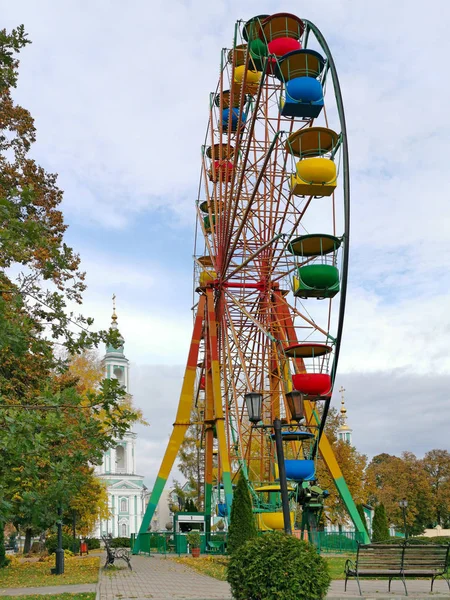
{"x":380,"y":528}
{"x":119,"y":542}
{"x":242,"y":522}
{"x":277,"y":566}
{"x":193,"y":539}
{"x":68,"y":543}
{"x":92,"y":543}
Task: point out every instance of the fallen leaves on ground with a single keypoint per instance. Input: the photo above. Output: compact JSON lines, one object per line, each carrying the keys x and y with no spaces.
{"x":214,"y":566}
{"x":37,"y":574}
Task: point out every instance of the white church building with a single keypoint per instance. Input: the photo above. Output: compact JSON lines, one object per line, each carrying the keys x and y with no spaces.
{"x":127,"y":494}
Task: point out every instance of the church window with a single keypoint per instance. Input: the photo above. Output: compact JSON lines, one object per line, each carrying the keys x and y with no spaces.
{"x":123,"y":505}
{"x":118,"y":374}
{"x":121,"y":459}
{"x":124,"y":529}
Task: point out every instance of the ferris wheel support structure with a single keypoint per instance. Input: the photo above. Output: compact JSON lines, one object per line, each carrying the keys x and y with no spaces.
{"x":243,"y":316}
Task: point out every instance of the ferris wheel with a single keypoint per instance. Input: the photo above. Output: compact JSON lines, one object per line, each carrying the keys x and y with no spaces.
{"x":270,"y":272}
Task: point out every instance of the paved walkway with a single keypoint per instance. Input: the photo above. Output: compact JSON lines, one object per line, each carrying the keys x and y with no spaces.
{"x":161,"y":578}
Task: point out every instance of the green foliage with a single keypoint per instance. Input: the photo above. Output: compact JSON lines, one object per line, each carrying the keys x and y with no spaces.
{"x":242,"y":522}
{"x":380,"y":527}
{"x":119,"y":542}
{"x":190,"y":506}
{"x":360,"y":509}
{"x":4,"y":561}
{"x":275,"y":566}
{"x":10,"y":44}
{"x":92,"y":543}
{"x":68,"y":543}
{"x":193,"y":539}
{"x":43,"y":417}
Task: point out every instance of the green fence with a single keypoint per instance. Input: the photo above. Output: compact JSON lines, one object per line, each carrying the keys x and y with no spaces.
{"x":165,"y":542}
{"x":339,"y":542}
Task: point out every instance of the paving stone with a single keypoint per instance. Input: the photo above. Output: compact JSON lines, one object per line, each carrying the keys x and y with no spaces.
{"x":160,"y":578}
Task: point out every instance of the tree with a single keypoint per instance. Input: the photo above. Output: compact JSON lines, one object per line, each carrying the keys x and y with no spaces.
{"x":360,"y":509}
{"x":391,"y":478}
{"x":242,"y":523}
{"x":353,"y":465}
{"x":89,"y":504}
{"x":60,"y":430}
{"x":436,"y":464}
{"x":380,"y":527}
{"x":191,"y":457}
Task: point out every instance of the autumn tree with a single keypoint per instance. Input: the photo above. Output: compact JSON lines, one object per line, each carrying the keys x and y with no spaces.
{"x":191,"y":458}
{"x":352,"y":464}
{"x":436,"y":464}
{"x":43,"y":417}
{"x":391,"y":478}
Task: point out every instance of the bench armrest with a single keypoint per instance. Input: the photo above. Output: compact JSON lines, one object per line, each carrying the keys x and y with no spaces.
{"x":349,"y":566}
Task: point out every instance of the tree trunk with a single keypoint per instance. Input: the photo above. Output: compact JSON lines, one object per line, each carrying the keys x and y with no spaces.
{"x":3,"y":561}
{"x":27,"y":544}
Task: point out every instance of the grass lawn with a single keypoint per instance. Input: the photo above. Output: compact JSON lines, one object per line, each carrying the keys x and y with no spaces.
{"x":37,"y":574}
{"x":84,"y":596}
{"x":216,"y":566}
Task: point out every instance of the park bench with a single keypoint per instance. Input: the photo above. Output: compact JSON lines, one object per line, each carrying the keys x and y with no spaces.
{"x":115,"y":553}
{"x":399,"y":560}
{"x":215,"y":547}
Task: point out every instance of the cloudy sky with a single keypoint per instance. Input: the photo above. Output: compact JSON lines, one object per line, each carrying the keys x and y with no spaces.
{"x":119,"y":92}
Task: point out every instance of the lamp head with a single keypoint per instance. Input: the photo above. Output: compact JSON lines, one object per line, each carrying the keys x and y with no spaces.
{"x":253,"y":401}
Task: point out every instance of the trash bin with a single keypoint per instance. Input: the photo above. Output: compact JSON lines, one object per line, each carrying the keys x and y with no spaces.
{"x":83,"y":548}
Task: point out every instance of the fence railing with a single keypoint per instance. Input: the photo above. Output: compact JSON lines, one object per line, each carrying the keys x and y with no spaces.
{"x":165,"y":542}
{"x":337,"y":542}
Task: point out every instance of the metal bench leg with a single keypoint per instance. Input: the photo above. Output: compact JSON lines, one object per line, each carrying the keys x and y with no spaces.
{"x":346,"y":579}
{"x":432,"y":582}
{"x":404,"y":583}
{"x":390,"y":581}
{"x":357,"y":579}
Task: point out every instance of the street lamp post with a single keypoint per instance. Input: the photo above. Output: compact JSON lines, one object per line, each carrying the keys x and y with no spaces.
{"x":59,"y":552}
{"x":253,"y":402}
{"x":404,"y":505}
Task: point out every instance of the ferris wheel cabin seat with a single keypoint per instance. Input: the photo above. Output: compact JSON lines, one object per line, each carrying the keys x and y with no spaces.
{"x":273,"y":520}
{"x":314,"y":245}
{"x":217,"y":206}
{"x":323,"y":280}
{"x":226,"y":97}
{"x":281,"y":46}
{"x":207,"y":223}
{"x":313,"y":385}
{"x":234,"y":119}
{"x":303,"y":98}
{"x":221,"y":170}
{"x":300,"y":470}
{"x":222,"y":510}
{"x":251,"y":77}
{"x":316,"y":281}
{"x":214,"y":152}
{"x":316,"y":173}
{"x":207,"y":277}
